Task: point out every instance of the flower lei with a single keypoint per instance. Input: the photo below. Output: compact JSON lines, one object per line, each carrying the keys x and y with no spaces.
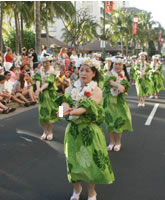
{"x":79,"y":94}
{"x":44,"y":75}
{"x":155,"y":68}
{"x":119,"y":78}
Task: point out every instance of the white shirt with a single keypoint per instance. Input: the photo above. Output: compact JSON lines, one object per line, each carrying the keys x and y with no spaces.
{"x":8,"y":86}
{"x":2,"y":88}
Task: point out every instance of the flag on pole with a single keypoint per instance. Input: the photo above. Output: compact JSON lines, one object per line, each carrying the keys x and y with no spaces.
{"x":135,"y":28}
{"x":108,"y":6}
{"x":160,"y":37}
{"x":135,"y":25}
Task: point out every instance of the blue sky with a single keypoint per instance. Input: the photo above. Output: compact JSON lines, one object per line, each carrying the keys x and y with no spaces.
{"x":157,"y":8}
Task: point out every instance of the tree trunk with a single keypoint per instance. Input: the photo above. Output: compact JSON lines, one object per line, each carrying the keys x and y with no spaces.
{"x":122,"y":51}
{"x":47,"y":33}
{"x":1,"y":22}
{"x":37,"y":27}
{"x":17,"y":32}
{"x":22,"y":33}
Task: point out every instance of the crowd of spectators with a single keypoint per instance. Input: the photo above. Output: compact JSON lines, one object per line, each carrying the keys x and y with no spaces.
{"x":17,"y":71}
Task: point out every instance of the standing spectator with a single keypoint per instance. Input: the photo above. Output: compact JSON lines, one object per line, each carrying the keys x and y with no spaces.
{"x":74,"y":57}
{"x":62,"y":56}
{"x":67,"y":60}
{"x":34,"y":58}
{"x":45,"y":52}
{"x":50,"y":51}
{"x":8,"y":59}
{"x":25,"y":57}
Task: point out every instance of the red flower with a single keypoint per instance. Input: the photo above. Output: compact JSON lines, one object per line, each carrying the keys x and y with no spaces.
{"x":121,"y":76}
{"x":87,"y":94}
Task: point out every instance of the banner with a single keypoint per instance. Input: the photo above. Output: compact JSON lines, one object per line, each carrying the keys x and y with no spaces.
{"x":108,"y":6}
{"x":160,"y":37}
{"x":135,"y":28}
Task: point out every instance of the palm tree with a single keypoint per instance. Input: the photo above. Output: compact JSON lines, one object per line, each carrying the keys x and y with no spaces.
{"x":1,"y":22}
{"x":52,"y":9}
{"x":37,"y":27}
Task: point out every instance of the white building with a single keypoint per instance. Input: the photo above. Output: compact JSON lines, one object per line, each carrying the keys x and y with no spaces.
{"x":94,"y":8}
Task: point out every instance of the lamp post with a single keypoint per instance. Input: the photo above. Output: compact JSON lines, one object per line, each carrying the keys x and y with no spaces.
{"x":135,"y":30}
{"x":103,"y":41}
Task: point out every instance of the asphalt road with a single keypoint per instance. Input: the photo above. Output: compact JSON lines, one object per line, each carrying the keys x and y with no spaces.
{"x":31,"y":169}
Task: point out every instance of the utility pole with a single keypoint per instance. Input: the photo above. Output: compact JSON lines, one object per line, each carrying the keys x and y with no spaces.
{"x":103,"y":48}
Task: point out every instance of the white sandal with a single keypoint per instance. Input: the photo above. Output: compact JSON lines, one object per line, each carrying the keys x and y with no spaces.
{"x":117,"y":147}
{"x":50,"y":137}
{"x":76,"y":196}
{"x":110,"y":147}
{"x":92,"y":198}
{"x":43,"y":136}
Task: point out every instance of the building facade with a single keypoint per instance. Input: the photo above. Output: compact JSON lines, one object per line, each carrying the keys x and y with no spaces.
{"x":93,"y":8}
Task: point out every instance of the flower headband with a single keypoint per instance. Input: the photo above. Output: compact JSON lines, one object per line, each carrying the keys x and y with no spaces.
{"x":90,"y":63}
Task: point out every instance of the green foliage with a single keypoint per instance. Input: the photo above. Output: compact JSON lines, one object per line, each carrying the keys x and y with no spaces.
{"x":29,"y":39}
{"x":121,"y":30}
{"x":151,"y":49}
{"x":79,"y":29}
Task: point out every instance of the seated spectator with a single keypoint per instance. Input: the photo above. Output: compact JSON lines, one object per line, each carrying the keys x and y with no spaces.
{"x":74,"y":77}
{"x":67,"y":78}
{"x":19,"y":98}
{"x":21,"y":86}
{"x":61,"y":82}
{"x":8,"y":59}
{"x":3,"y":96}
{"x":22,"y":70}
{"x":14,"y":76}
{"x":27,"y":69}
{"x":25,"y":57}
{"x":1,"y":70}
{"x":5,"y":110}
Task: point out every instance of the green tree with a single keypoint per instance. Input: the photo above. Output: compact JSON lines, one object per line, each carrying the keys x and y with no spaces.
{"x":79,"y":29}
{"x":37,"y":27}
{"x":54,"y":9}
{"x":29,"y":39}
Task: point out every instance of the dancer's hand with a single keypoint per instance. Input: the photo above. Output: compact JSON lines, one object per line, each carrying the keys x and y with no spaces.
{"x":121,"y":89}
{"x":67,"y":112}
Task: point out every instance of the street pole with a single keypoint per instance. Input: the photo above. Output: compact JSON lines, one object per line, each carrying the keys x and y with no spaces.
{"x":103,"y":49}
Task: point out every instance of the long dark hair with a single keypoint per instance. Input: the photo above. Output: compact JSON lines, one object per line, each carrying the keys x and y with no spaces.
{"x":97,"y":74}
{"x":22,"y":81}
{"x":111,"y":67}
{"x":126,"y":73}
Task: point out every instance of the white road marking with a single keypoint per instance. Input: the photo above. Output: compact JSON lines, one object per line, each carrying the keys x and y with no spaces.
{"x":151,"y":116}
{"x":26,"y":139}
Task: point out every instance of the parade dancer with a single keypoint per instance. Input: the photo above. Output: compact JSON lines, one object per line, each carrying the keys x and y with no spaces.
{"x":84,"y":145}
{"x":156,"y":76}
{"x":47,"y":92}
{"x":143,"y":84}
{"x":117,"y":113}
